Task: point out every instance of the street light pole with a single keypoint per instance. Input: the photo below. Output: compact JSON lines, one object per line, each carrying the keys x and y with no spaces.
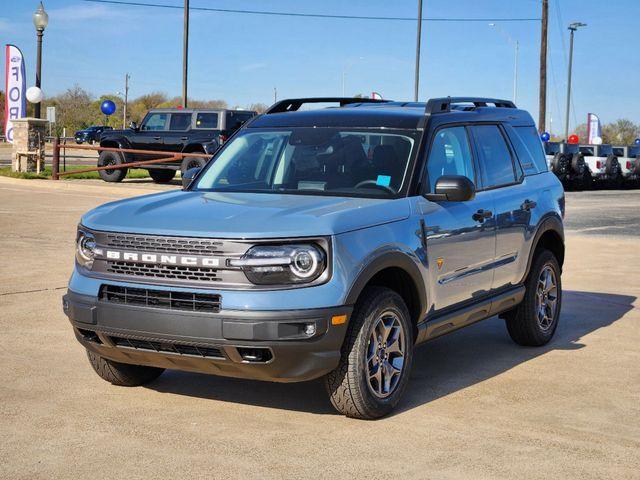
{"x":516,"y":44}
{"x":126,"y":99}
{"x":572,"y":28}
{"x":185,"y":53}
{"x":418,"y":38}
{"x":40,"y":21}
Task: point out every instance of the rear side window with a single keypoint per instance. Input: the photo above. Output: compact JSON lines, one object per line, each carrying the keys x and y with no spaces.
{"x":529,"y":150}
{"x":449,"y":155}
{"x":207,"y":120}
{"x":180,"y":121}
{"x":496,"y":163}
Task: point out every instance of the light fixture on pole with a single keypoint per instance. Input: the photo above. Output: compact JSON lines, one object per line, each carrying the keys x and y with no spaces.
{"x":40,"y":21}
{"x":572,"y":28}
{"x":516,"y":45}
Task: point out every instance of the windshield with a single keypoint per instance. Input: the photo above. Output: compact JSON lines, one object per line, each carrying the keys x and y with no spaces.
{"x":319,"y":161}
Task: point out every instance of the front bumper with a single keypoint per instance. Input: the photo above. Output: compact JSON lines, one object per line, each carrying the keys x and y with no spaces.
{"x":218,"y":343}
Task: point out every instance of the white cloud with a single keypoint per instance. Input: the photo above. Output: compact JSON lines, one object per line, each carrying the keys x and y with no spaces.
{"x":250,"y":67}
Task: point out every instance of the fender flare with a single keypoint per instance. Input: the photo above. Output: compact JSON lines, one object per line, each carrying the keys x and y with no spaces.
{"x":390,"y":259}
{"x":121,"y":142}
{"x":551,"y":222}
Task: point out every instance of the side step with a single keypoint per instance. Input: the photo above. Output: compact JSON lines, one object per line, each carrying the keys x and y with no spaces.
{"x":449,"y":322}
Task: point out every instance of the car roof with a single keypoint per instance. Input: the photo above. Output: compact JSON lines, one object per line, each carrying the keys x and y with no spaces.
{"x":191,"y":110}
{"x":399,"y":115}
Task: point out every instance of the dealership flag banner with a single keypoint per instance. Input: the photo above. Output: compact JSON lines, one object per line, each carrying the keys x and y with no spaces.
{"x":15,"y":89}
{"x":594,"y":130}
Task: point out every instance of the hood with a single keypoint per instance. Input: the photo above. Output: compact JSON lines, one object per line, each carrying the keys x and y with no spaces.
{"x":243,"y":215}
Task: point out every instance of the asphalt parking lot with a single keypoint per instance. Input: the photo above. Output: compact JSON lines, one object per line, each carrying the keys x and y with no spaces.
{"x":478,"y":406}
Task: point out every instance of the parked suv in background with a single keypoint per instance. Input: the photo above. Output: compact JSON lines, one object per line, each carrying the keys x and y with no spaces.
{"x":602,"y":164}
{"x":565,"y":160}
{"x":328,"y":243}
{"x":90,"y":134}
{"x":193,"y":130}
{"x":629,"y":159}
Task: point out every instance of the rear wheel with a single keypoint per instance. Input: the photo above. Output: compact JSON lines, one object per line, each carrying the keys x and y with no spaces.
{"x":114,"y":175}
{"x":162,"y":175}
{"x":122,"y":374}
{"x":192,"y":162}
{"x":534,"y":321}
{"x":376,"y":357}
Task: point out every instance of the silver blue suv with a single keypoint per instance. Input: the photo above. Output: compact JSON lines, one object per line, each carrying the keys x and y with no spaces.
{"x":328,"y":243}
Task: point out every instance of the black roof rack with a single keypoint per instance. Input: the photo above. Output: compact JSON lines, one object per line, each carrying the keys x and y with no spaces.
{"x":293,"y":104}
{"x":443,"y":105}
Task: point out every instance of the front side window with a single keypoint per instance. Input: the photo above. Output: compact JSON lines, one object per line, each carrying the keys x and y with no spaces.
{"x":449,"y":155}
{"x":155,"y":121}
{"x":318,"y":161}
{"x":180,"y":121}
{"x":496,"y":163}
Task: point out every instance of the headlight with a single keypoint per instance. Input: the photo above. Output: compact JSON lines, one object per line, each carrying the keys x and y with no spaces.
{"x":85,"y":249}
{"x":282,"y":264}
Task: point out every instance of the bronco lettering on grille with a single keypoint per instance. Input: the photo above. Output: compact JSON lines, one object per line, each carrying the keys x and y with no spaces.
{"x":161,"y":259}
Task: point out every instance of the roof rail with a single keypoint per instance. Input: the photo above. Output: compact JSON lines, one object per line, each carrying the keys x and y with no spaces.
{"x":443,"y":105}
{"x":293,"y":104}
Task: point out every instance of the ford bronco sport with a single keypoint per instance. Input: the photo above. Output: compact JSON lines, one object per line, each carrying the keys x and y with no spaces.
{"x":185,"y":130}
{"x":328,"y":243}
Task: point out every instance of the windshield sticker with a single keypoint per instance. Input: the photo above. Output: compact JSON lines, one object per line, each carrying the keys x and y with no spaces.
{"x":383,"y":180}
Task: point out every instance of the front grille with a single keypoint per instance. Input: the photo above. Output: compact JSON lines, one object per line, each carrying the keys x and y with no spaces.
{"x":150,"y":243}
{"x":175,"y":272}
{"x":166,"y":299}
{"x":168,"y":347}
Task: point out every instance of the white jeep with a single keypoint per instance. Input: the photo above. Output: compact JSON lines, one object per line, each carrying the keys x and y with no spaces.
{"x":629,"y":160}
{"x":602,"y":164}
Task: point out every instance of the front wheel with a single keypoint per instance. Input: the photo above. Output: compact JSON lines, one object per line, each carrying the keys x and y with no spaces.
{"x":534,"y":321}
{"x":122,"y":374}
{"x":376,"y":357}
{"x":111,"y":175}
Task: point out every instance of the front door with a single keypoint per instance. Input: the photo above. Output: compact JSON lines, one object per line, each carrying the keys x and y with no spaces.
{"x":460,"y":236}
{"x":150,"y":135}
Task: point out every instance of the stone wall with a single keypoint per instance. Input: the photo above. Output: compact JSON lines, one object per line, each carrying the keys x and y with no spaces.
{"x":28,"y":144}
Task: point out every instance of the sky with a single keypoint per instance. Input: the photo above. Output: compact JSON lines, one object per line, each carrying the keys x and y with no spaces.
{"x":241,"y":58}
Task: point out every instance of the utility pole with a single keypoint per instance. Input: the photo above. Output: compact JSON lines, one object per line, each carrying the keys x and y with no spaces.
{"x":185,"y":53}
{"x":419,"y":36}
{"x":572,"y":28}
{"x":542,"y":117}
{"x":126,"y":98}
{"x":275,"y":94}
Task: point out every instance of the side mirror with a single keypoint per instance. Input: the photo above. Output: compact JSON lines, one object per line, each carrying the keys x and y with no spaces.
{"x":452,"y":188}
{"x":188,"y":177}
{"x":133,"y":126}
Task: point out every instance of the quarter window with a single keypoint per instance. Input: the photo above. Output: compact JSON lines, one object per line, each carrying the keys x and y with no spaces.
{"x":207,"y":120}
{"x":496,"y":163}
{"x":155,"y":121}
{"x":180,"y":121}
{"x":533,"y":145}
{"x":450,"y":155}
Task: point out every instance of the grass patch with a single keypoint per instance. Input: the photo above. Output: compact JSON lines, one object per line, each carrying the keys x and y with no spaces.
{"x":46,"y":175}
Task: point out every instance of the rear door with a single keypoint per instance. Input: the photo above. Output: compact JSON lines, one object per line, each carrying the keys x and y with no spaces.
{"x":460,"y":236}
{"x":514,"y":200}
{"x":177,"y":136}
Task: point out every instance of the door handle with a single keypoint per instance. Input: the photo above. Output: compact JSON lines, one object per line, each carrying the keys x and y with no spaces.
{"x":184,"y":138}
{"x":157,"y":138}
{"x":481,"y":215}
{"x":528,"y":205}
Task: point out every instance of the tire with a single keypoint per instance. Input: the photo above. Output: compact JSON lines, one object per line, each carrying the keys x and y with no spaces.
{"x":161,"y":175}
{"x":192,"y":162}
{"x":524,"y":325}
{"x":111,"y":158}
{"x":350,"y":388}
{"x":578,"y":164}
{"x":122,"y":374}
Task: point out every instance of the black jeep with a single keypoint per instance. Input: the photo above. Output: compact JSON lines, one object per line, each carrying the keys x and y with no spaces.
{"x":171,"y":130}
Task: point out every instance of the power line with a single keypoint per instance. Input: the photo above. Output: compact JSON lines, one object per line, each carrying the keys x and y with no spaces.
{"x":312,"y":15}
